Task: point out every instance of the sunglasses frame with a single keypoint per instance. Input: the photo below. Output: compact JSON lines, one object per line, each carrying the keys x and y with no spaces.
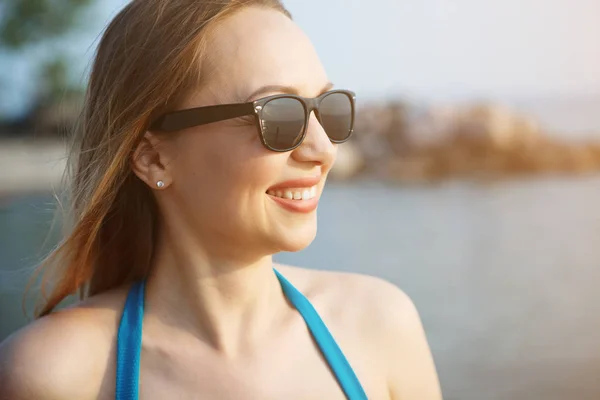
{"x":182,"y":119}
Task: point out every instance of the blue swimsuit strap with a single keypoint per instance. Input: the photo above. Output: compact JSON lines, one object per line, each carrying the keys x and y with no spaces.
{"x":129,"y":343}
{"x":330,"y":349}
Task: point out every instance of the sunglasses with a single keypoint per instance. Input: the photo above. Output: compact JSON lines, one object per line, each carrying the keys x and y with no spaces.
{"x":282,"y":119}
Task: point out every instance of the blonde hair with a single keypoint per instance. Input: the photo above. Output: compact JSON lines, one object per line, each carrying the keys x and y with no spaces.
{"x":148,"y":58}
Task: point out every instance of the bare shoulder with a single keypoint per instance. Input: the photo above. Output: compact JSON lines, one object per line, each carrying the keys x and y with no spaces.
{"x":365,"y":298}
{"x":66,"y":354}
{"x":382,"y":318}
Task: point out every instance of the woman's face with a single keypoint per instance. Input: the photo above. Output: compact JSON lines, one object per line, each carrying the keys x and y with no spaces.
{"x":222,"y":182}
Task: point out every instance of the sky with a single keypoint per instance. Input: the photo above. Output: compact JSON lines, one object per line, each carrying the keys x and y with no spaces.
{"x":430,"y":50}
{"x":458,"y":48}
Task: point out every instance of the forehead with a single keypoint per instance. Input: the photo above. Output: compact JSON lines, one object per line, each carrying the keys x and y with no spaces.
{"x":257,"y":47}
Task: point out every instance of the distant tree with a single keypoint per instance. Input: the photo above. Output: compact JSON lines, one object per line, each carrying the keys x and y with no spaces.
{"x":29,"y":24}
{"x":25,"y":22}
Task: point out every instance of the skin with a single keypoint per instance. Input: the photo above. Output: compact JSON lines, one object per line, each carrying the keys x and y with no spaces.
{"x":217,"y":324}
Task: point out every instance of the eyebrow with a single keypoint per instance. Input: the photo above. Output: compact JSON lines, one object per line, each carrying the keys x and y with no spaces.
{"x":282,"y":89}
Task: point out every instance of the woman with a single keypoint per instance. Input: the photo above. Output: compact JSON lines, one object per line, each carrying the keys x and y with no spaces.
{"x":208,"y":132}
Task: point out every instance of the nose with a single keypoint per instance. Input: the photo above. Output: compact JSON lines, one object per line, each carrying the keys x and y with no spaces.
{"x":316,"y":146}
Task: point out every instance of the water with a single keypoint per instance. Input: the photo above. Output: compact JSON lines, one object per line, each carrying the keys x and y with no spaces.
{"x":506,"y":276}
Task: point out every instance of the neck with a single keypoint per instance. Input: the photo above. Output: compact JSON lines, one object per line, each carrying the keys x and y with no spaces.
{"x":227,"y":303}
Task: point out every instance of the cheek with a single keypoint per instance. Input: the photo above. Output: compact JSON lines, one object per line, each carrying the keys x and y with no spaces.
{"x":225,"y":177}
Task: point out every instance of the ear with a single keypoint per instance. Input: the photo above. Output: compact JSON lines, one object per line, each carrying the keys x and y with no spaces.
{"x":150,"y":161}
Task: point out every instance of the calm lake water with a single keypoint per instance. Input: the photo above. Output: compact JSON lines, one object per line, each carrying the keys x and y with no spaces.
{"x":506,"y":275}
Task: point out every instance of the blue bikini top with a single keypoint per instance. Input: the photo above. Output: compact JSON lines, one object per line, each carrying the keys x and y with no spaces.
{"x":129,"y":343}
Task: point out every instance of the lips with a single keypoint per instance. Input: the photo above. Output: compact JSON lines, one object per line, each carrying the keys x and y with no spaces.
{"x":306,"y":182}
{"x":297,"y":195}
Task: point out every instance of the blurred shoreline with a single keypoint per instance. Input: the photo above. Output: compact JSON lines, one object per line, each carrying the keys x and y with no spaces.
{"x":399,"y":141}
{"x":31,"y":165}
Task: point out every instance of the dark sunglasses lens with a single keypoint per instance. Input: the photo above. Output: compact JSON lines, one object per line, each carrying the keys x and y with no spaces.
{"x":282,"y":123}
{"x":336,"y":116}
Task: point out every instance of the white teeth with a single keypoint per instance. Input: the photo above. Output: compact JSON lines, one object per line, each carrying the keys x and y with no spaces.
{"x":295,"y":194}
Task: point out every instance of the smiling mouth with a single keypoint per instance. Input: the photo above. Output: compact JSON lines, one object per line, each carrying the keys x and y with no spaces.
{"x":295,"y":194}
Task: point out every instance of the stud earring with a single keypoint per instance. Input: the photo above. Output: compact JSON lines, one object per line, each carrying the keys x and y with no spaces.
{"x":160,"y":184}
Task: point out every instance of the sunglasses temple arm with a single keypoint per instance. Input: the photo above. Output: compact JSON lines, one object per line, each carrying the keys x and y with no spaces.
{"x":201,"y":116}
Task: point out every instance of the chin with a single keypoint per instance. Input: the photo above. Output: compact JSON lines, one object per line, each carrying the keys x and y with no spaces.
{"x":295,"y":239}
